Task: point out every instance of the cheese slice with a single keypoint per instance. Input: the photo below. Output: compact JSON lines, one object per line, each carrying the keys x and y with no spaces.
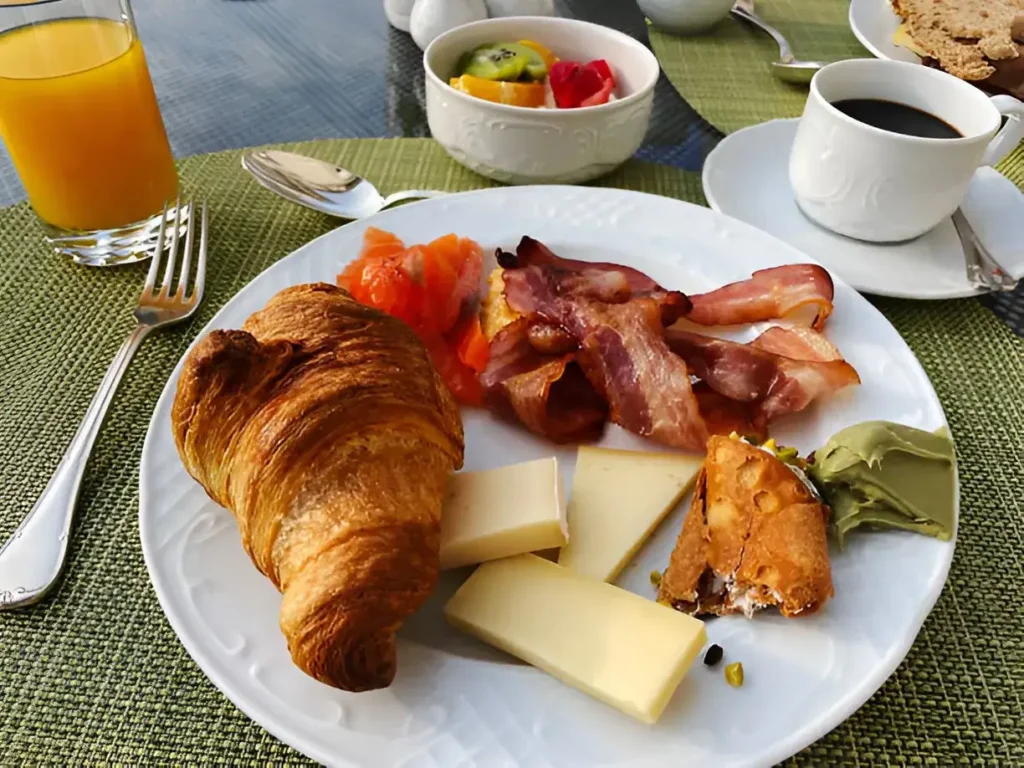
{"x":618,"y":498}
{"x":902,"y":38}
{"x":501,"y":512}
{"x":626,"y":651}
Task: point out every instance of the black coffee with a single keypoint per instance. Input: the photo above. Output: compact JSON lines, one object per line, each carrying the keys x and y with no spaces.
{"x":897,"y":118}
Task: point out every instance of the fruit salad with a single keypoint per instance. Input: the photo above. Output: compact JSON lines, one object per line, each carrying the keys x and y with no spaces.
{"x":526,"y":74}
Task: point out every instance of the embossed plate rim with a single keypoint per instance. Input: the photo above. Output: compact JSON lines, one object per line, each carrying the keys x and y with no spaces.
{"x":863,"y":17}
{"x":561,"y":717}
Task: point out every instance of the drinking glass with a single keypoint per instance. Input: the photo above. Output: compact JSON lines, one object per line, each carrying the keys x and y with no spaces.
{"x":80,"y":120}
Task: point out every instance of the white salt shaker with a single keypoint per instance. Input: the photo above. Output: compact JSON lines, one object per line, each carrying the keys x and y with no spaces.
{"x":398,"y":12}
{"x":431,"y":18}
{"x":521,"y":7}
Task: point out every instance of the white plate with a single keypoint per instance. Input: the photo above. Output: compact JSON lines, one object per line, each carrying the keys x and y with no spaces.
{"x":456,"y":702}
{"x":873,"y":23}
{"x":747,"y":176}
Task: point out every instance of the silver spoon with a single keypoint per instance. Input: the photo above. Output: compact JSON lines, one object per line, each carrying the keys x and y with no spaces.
{"x":322,"y":186}
{"x":983,"y":272}
{"x":788,"y":67}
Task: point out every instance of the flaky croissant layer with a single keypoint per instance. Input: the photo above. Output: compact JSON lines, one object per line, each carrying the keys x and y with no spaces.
{"x":324,"y":428}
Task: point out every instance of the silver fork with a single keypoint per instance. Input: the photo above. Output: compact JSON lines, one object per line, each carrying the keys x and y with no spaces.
{"x":32,"y":559}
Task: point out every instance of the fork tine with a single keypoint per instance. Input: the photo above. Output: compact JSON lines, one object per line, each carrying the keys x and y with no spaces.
{"x":165,"y":286}
{"x":154,"y":264}
{"x":190,"y":225}
{"x":197,"y":291}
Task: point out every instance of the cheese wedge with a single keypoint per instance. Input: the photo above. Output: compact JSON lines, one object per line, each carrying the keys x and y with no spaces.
{"x":902,"y":38}
{"x":501,"y":512}
{"x":626,"y":651}
{"x":618,"y":498}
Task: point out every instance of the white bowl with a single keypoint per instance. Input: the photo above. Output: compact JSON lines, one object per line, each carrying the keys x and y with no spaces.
{"x":519,"y":145}
{"x":686,"y":17}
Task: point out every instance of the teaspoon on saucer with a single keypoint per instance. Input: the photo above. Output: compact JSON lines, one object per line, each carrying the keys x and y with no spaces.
{"x":322,"y":186}
{"x":788,"y":67}
{"x":746,"y":176}
{"x":983,"y":271}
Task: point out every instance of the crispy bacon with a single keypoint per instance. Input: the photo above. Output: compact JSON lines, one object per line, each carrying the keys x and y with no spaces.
{"x":527,"y":288}
{"x":548,"y":394}
{"x":550,"y":339}
{"x":534,"y":265}
{"x":591,"y":344}
{"x":769,"y":294}
{"x":624,"y":356}
{"x":533,"y":253}
{"x":723,"y":416}
{"x":745,"y":373}
{"x":797,"y":343}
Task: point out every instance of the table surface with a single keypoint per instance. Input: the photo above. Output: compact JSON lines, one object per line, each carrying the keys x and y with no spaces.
{"x":238,"y":73}
{"x":234,"y":73}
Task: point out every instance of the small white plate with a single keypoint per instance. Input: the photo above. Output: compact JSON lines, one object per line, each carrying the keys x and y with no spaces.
{"x":456,"y":702}
{"x":873,"y":23}
{"x":747,"y":176}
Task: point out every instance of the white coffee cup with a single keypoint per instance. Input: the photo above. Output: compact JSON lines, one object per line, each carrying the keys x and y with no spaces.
{"x":876,"y":185}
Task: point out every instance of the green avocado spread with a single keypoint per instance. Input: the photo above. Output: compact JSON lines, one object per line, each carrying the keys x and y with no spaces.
{"x":887,"y":475}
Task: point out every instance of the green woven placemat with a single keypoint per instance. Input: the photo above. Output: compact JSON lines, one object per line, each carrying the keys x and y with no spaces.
{"x":95,"y":675}
{"x":725,"y":74}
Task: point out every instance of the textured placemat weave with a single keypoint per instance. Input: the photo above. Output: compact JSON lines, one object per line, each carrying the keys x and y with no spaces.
{"x":726,"y":74}
{"x":95,"y":675}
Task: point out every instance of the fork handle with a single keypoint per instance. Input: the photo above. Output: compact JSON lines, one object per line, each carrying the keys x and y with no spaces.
{"x":32,"y":559}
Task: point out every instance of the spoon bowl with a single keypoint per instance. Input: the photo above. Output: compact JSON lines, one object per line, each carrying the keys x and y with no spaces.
{"x":797,"y":71}
{"x":322,"y":186}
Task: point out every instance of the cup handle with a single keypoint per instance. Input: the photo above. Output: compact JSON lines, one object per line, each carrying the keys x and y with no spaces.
{"x":1009,"y":135}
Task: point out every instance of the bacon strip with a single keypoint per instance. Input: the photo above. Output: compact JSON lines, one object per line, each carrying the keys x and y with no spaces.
{"x":550,"y":339}
{"x":743,"y":372}
{"x":528,"y":288}
{"x":769,"y":294}
{"x":624,"y":356}
{"x":533,"y":263}
{"x":533,"y":253}
{"x":548,"y":394}
{"x":723,"y":416}
{"x":592,"y":344}
{"x":797,"y":343}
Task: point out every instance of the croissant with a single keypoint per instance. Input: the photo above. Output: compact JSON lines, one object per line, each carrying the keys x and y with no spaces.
{"x":326,"y":431}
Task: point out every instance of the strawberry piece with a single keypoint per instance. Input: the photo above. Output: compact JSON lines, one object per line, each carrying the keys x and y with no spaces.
{"x":601,"y":67}
{"x":601,"y":97}
{"x":577,"y":85}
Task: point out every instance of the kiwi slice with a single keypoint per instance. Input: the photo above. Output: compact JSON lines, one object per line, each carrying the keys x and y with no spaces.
{"x":503,"y":61}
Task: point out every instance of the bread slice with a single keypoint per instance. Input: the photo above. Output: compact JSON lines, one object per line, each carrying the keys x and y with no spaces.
{"x":964,"y":36}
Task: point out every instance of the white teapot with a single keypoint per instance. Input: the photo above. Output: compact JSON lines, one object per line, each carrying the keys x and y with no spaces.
{"x":431,"y":18}
{"x":521,"y":7}
{"x":398,"y":13}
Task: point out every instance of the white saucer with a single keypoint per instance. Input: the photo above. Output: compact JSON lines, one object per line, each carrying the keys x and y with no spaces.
{"x":747,"y":177}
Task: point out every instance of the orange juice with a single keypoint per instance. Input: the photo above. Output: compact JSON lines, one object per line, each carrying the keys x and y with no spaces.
{"x":80,"y":119}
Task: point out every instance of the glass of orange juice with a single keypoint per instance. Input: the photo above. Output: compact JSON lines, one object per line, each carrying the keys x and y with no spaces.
{"x":79,"y":117}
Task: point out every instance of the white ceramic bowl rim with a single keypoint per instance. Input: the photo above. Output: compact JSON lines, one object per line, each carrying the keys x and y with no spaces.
{"x":572,"y":26}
